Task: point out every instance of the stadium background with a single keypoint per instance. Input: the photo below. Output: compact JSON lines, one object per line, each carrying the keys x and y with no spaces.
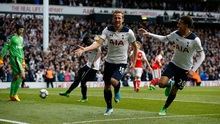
{"x":69,"y":22}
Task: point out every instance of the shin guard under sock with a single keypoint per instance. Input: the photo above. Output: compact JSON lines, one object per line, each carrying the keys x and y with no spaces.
{"x":134,"y":83}
{"x":17,"y":85}
{"x":73,"y":86}
{"x":152,"y":82}
{"x":84,"y":92}
{"x":138,"y":83}
{"x":117,"y":88}
{"x":12,"y":88}
{"x":156,"y":81}
{"x":169,"y":100}
{"x":108,"y":98}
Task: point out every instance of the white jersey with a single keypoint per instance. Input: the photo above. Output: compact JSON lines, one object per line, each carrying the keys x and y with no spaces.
{"x":118,"y":43}
{"x":91,"y":57}
{"x":186,"y":47}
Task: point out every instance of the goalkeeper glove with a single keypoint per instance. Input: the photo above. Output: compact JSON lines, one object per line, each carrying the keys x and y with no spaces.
{"x":23,"y":63}
{"x":1,"y":62}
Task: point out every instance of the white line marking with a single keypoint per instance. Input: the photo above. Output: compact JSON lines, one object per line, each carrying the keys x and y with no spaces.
{"x":123,"y":119}
{"x":10,"y":121}
{"x":163,"y":99}
{"x":176,"y":100}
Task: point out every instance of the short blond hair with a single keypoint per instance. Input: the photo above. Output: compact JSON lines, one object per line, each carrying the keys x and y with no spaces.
{"x":118,"y":11}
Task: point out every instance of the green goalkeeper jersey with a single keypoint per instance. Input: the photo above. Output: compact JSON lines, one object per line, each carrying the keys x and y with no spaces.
{"x":15,"y":47}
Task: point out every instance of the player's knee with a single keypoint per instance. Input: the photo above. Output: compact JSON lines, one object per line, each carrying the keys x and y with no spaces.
{"x":22,"y":76}
{"x":161,"y":84}
{"x":107,"y":87}
{"x":114,"y":82}
{"x":83,"y":84}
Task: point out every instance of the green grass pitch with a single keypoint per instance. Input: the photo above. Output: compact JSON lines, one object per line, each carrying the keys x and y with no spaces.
{"x":193,"y":105}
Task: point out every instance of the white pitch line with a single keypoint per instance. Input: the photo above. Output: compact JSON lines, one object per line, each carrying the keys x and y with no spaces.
{"x":10,"y":121}
{"x":124,"y":119}
{"x":176,"y":100}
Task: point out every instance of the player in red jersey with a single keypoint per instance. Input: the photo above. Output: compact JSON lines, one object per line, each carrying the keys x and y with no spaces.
{"x":156,"y":66}
{"x":138,"y":70}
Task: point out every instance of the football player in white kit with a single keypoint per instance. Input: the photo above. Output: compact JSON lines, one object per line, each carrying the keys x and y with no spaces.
{"x":87,"y":72}
{"x":118,"y":38}
{"x":181,"y":66}
{"x":138,"y":70}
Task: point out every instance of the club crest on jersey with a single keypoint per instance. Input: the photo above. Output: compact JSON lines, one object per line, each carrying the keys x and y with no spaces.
{"x":116,"y":42}
{"x":182,"y":49}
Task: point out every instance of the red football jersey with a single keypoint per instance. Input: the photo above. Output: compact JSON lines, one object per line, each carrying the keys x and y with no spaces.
{"x":156,"y":64}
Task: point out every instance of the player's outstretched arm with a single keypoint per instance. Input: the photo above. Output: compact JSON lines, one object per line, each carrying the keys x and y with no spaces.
{"x":93,"y":46}
{"x":155,"y":36}
{"x":143,"y":31}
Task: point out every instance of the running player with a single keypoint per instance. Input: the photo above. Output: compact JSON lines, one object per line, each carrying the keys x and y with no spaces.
{"x":181,"y":66}
{"x":118,"y":38}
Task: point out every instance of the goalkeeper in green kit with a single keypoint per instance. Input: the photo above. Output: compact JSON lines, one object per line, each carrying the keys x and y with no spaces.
{"x":15,"y":47}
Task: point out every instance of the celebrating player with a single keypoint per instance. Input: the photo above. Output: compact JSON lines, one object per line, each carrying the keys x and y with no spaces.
{"x":118,"y":38}
{"x":181,"y":66}
{"x":87,"y":72}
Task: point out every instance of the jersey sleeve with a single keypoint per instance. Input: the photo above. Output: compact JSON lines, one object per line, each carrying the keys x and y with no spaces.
{"x":131,"y":38}
{"x":198,"y":45}
{"x":171,"y":37}
{"x":104,"y":34}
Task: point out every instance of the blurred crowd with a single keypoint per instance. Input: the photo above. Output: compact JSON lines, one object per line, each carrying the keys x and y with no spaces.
{"x":186,"y":5}
{"x":65,"y":35}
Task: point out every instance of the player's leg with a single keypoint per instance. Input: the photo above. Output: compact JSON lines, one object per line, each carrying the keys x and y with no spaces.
{"x":83,"y":92}
{"x":12,"y":87}
{"x":108,"y":72}
{"x":90,"y":76}
{"x":135,"y":83}
{"x":168,"y":73}
{"x":108,"y":99}
{"x":116,"y":84}
{"x":138,"y":78}
{"x":135,"y":79}
{"x":18,"y":76}
{"x":180,"y":77}
{"x":153,"y":81}
{"x":169,"y":100}
{"x":138,"y":84}
{"x":118,"y":73}
{"x":76,"y":82}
